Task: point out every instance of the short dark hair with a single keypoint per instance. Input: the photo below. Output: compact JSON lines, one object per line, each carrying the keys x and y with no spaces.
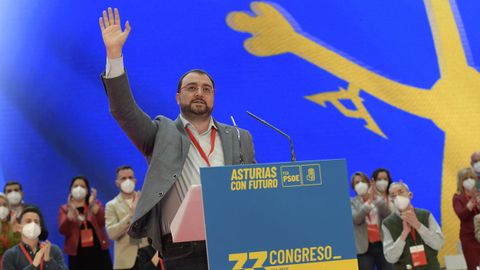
{"x":34,"y":209}
{"x":86,"y":183}
{"x":11,"y":183}
{"x":123,"y":167}
{"x":199,"y":71}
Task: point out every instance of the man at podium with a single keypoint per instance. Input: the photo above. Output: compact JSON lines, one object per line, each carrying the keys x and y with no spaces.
{"x":175,"y":149}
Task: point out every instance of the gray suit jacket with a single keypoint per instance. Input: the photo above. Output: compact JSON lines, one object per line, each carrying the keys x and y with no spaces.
{"x":165,"y":145}
{"x":359,"y":212}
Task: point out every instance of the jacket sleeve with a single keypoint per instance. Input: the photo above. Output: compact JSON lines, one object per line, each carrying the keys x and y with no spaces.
{"x":100,"y":215}
{"x":382,"y":207}
{"x":359,"y":214}
{"x":461,"y":209}
{"x":138,"y":126}
{"x":8,"y":260}
{"x":56,"y":261}
{"x":116,"y":228}
{"x":65,"y":225}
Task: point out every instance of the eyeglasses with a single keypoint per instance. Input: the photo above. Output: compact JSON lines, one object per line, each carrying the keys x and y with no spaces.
{"x":207,"y":90}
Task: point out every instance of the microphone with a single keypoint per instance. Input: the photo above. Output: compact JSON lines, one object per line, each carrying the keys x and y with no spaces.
{"x":292,"y":151}
{"x":242,"y":161}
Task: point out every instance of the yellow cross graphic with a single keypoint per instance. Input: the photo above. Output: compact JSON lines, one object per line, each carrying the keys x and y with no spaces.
{"x":452,"y":103}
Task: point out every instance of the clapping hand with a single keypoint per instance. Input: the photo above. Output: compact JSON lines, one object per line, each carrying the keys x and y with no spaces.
{"x":410,"y":217}
{"x":72,"y":212}
{"x":47,"y":247}
{"x":136,"y":198}
{"x":92,"y":201}
{"x":406,"y":229}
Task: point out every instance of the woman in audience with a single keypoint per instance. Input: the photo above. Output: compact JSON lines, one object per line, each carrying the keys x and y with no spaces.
{"x":30,"y":253}
{"x":381,"y":181}
{"x":466,"y":205}
{"x":82,"y":221}
{"x":8,"y":236}
{"x":368,"y":211}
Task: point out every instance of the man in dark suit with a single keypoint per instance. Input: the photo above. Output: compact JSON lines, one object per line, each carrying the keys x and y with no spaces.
{"x":175,"y":150}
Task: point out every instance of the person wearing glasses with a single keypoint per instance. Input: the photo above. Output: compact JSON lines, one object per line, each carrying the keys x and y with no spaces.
{"x":411,"y":236}
{"x":175,"y":149}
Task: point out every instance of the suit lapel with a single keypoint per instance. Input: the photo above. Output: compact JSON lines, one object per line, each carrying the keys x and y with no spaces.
{"x":185,"y":140}
{"x":225,"y":133}
{"x":122,"y":202}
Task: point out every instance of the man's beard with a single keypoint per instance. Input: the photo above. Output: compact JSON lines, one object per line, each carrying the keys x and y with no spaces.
{"x":195,"y":110}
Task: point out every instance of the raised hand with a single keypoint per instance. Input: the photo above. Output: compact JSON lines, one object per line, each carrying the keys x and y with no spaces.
{"x":46,"y":253}
{"x":472,"y":203}
{"x":38,"y":257}
{"x":113,"y":36}
{"x":136,"y":198}
{"x":372,"y":192}
{"x":72,"y":212}
{"x":406,"y":230}
{"x":93,"y":197}
{"x":410,"y":217}
{"x":155,"y":259}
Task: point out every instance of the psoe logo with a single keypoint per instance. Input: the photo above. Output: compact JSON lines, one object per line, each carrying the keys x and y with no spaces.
{"x":301,"y":175}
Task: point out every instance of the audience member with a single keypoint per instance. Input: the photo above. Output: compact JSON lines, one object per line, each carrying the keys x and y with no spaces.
{"x":411,"y":236}
{"x":466,"y":205}
{"x":82,"y":222}
{"x":368,"y":211}
{"x":9,"y":237}
{"x":118,"y":217}
{"x":30,"y":253}
{"x":381,"y":182}
{"x":14,"y":192}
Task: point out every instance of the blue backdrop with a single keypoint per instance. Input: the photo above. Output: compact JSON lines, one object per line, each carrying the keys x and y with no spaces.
{"x":54,"y":115}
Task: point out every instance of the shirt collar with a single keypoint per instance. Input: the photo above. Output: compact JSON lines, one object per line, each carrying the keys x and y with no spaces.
{"x":186,"y":123}
{"x":29,"y":250}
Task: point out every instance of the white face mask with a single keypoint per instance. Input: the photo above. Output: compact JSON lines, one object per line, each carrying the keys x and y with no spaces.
{"x":79,"y":193}
{"x":14,"y":197}
{"x":361,"y":188}
{"x":476,"y":167}
{"x":401,"y":202}
{"x":469,"y":184}
{"x":3,"y":212}
{"x":127,"y":186}
{"x":381,"y":185}
{"x":31,"y":230}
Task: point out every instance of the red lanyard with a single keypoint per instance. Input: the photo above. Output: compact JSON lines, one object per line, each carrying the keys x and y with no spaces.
{"x":161,"y":266}
{"x":85,"y":214}
{"x":30,"y":260}
{"x":388,"y":201}
{"x":213,"y":133}
{"x":413,"y":233}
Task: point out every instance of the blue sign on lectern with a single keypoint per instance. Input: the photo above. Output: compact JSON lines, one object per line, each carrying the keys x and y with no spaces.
{"x":281,"y":216}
